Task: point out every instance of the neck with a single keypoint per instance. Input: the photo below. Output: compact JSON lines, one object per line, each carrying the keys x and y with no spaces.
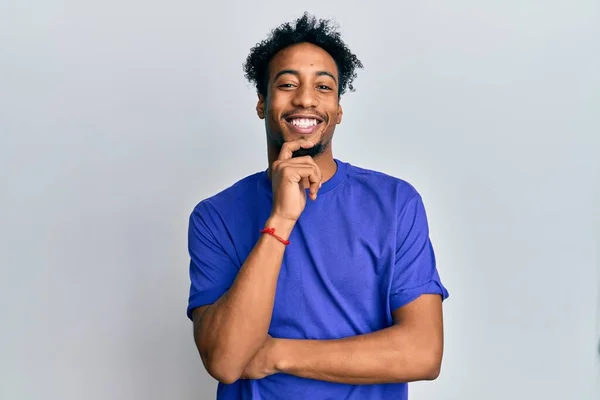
{"x":324,"y":161}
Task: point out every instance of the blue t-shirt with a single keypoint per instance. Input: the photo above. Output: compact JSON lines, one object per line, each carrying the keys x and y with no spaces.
{"x":358,"y":252}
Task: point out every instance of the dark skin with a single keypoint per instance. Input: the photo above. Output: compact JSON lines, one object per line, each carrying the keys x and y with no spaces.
{"x":303,"y":79}
{"x":231,"y":334}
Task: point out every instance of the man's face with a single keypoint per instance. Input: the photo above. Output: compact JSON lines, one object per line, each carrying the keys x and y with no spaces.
{"x":302,"y":98}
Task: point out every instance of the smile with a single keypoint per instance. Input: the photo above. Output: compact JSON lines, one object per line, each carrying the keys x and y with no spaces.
{"x":304,"y":125}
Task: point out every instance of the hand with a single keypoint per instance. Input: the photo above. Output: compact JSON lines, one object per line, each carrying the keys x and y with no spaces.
{"x":288,"y":176}
{"x":263,"y":363}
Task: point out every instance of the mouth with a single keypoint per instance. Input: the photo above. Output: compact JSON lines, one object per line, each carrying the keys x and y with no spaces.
{"x":304,"y":124}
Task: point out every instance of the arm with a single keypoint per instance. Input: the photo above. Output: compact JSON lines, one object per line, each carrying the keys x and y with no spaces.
{"x":229,"y":332}
{"x":410,"y":350}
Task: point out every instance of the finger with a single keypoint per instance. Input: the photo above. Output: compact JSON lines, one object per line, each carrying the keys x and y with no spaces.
{"x":300,"y":161}
{"x":288,"y":148}
{"x":310,"y":172}
{"x":314,"y":187}
{"x":315,"y":179}
{"x":297,"y":172}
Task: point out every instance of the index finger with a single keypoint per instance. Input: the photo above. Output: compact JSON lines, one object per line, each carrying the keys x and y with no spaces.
{"x":288,"y":148}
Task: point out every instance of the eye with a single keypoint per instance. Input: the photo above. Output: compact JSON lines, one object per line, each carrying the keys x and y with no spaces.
{"x":323,"y":87}
{"x":286,"y":85}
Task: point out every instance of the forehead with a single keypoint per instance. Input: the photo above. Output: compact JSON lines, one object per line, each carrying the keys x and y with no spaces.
{"x":304,"y":58}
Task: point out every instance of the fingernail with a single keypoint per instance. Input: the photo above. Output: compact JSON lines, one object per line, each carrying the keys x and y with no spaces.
{"x":309,"y":142}
{"x":320,"y":184}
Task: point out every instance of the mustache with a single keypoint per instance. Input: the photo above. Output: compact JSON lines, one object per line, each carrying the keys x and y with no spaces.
{"x":305,"y":112}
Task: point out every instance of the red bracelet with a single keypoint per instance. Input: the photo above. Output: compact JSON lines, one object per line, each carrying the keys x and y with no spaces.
{"x":271,"y":231}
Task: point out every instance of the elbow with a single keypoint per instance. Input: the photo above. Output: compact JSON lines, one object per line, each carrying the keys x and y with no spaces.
{"x":221,"y":370}
{"x":431,"y":366}
{"x":224,"y":376}
{"x":432,"y":372}
{"x":219,"y":364}
{"x":426,"y":367}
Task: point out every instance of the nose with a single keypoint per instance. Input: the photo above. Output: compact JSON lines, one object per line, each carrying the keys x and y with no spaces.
{"x":306,"y":97}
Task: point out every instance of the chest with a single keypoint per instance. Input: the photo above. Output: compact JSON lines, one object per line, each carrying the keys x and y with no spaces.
{"x":334,"y":281}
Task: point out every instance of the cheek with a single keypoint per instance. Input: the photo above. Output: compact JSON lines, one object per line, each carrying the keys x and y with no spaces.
{"x":274,"y":114}
{"x":277,"y":101}
{"x":335,"y":117}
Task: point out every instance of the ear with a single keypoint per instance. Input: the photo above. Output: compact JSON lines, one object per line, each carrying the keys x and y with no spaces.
{"x":339,"y":115}
{"x":260,"y":107}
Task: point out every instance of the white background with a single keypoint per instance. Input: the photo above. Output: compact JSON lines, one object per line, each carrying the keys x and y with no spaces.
{"x":117,"y":117}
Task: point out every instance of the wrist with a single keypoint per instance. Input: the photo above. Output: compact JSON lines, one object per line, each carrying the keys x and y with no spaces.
{"x":283,"y":226}
{"x":281,"y":355}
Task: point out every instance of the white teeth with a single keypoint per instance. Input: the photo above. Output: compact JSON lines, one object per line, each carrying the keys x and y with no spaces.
{"x":304,"y":122}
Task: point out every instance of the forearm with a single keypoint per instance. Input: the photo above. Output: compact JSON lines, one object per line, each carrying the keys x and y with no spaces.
{"x":232,"y":329}
{"x":394,"y":354}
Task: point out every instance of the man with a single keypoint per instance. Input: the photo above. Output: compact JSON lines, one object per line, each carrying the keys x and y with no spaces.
{"x":314,"y":279}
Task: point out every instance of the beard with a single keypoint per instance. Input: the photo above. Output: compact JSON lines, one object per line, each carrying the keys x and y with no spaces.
{"x":314,"y":151}
{"x":318,"y":148}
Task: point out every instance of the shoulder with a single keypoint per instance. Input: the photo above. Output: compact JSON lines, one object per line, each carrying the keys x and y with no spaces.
{"x":382,"y":183}
{"x":231,"y":198}
{"x":394,"y":197}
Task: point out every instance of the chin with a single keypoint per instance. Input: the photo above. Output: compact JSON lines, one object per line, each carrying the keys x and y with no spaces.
{"x":314,"y":137}
{"x":313,"y":152}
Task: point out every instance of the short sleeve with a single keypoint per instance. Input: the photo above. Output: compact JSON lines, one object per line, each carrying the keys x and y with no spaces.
{"x":212,"y":271}
{"x":415,"y":272}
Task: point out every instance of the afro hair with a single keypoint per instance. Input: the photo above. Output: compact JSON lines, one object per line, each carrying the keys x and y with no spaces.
{"x":306,"y":29}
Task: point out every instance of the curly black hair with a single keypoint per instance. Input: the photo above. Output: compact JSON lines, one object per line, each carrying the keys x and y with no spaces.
{"x":306,"y":29}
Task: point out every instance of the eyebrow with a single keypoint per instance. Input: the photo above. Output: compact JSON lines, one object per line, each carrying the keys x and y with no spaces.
{"x":294,"y":72}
